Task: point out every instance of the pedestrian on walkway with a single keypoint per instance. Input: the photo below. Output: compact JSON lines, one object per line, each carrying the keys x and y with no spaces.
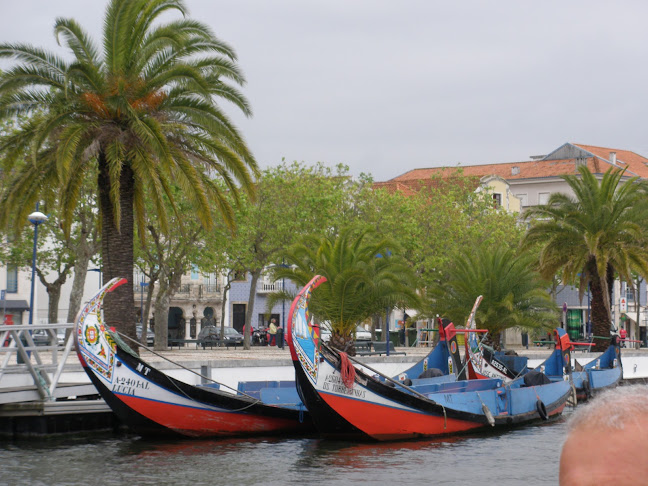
{"x":272,"y":330}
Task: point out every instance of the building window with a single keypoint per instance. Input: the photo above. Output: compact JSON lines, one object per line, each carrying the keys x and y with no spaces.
{"x":194,"y":272}
{"x":543,"y":198}
{"x":210,"y":279}
{"x":12,"y":279}
{"x":524,"y":199}
{"x":497,"y":200}
{"x":629,"y":292}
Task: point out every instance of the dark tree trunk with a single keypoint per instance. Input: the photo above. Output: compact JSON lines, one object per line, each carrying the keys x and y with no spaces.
{"x":161,"y":318}
{"x":600,"y":313}
{"x":117,"y":248}
{"x":53,"y":293}
{"x":78,"y":284}
{"x":375,"y":322}
{"x":85,"y":250}
{"x":228,"y":285}
{"x":248,"y":315}
{"x":147,"y":311}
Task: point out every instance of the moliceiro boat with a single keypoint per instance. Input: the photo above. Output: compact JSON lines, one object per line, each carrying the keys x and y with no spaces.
{"x":604,"y":371}
{"x":153,"y":403}
{"x":343,"y":399}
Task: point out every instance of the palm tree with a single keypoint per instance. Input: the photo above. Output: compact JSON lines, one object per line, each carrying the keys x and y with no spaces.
{"x":141,"y":111}
{"x":599,"y":232}
{"x":513,"y":293}
{"x":363,"y":277}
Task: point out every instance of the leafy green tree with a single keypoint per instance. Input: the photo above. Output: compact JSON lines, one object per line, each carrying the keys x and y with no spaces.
{"x":59,"y":254}
{"x":363,"y":277}
{"x":141,"y":111}
{"x":514,"y":294}
{"x":164,"y":258}
{"x":54,"y":263}
{"x":291,"y":200}
{"x":167,"y":258}
{"x":592,"y":236}
{"x":435,"y":219}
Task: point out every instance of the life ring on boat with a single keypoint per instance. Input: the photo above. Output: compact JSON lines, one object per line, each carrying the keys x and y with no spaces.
{"x":542,"y":410}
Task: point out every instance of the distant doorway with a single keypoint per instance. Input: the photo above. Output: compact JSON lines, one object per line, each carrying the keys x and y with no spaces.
{"x":176,"y":323}
{"x":238,"y":316}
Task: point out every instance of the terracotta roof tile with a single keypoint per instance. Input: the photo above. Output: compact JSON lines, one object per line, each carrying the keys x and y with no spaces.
{"x":412,"y":186}
{"x":626,"y":159}
{"x":510,"y":170}
{"x":599,"y":163}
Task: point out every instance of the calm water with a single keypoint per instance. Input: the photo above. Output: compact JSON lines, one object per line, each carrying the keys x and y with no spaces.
{"x":526,"y":456}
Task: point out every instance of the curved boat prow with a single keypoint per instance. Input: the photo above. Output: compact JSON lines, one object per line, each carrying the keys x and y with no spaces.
{"x":94,"y":345}
{"x":559,"y":362}
{"x":154,"y":403}
{"x":302,"y":333}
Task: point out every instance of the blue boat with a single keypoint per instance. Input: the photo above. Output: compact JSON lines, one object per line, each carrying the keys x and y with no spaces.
{"x":344,"y":399}
{"x":604,"y":371}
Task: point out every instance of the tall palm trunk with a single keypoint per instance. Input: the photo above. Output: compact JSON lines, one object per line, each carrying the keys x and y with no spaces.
{"x":600,"y":312}
{"x":117,"y":248}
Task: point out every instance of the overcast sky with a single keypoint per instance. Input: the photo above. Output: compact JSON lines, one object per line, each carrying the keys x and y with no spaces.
{"x":386,"y":86}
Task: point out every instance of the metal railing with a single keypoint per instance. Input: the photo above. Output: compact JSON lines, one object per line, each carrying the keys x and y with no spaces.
{"x":18,"y":340}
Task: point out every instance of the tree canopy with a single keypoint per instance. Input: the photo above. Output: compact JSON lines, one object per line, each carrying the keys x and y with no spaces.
{"x":363,"y":277}
{"x":142,"y":111}
{"x":514,"y":294}
{"x":599,"y":232}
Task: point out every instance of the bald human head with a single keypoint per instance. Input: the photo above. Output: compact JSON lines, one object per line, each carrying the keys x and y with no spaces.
{"x":607,"y":440}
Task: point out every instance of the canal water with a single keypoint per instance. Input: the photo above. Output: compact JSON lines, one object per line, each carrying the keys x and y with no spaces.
{"x":527,"y":456}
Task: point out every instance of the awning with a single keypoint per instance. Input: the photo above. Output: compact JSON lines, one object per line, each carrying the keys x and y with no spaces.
{"x":14,"y":305}
{"x":632,"y":316}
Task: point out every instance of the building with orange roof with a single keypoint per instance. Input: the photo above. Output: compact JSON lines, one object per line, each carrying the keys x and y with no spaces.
{"x":531,"y":182}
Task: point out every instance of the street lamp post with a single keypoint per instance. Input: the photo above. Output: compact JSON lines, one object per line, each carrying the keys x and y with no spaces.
{"x":35,"y":218}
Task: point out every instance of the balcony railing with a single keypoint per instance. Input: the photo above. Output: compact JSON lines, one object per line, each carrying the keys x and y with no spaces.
{"x":193,"y":291}
{"x":266,"y":288}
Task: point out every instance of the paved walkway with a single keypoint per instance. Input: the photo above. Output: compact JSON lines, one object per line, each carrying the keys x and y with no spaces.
{"x":264,"y":353}
{"x":255,"y":353}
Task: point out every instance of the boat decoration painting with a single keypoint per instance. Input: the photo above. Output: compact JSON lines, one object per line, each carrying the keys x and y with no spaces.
{"x":346,"y":400}
{"x":151,"y":402}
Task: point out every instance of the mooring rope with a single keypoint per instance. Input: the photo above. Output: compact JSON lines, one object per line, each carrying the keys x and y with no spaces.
{"x":347,"y":371}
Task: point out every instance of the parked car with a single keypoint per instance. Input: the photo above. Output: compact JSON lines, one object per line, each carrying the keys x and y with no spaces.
{"x":362,"y":334}
{"x":210,"y":336}
{"x":150,"y":336}
{"x":41,"y":337}
{"x":60,"y":337}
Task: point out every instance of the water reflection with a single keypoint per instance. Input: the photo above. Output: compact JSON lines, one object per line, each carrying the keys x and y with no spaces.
{"x":530,"y":453}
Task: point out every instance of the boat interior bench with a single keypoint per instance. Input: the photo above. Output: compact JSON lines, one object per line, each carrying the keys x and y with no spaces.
{"x":378,"y":348}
